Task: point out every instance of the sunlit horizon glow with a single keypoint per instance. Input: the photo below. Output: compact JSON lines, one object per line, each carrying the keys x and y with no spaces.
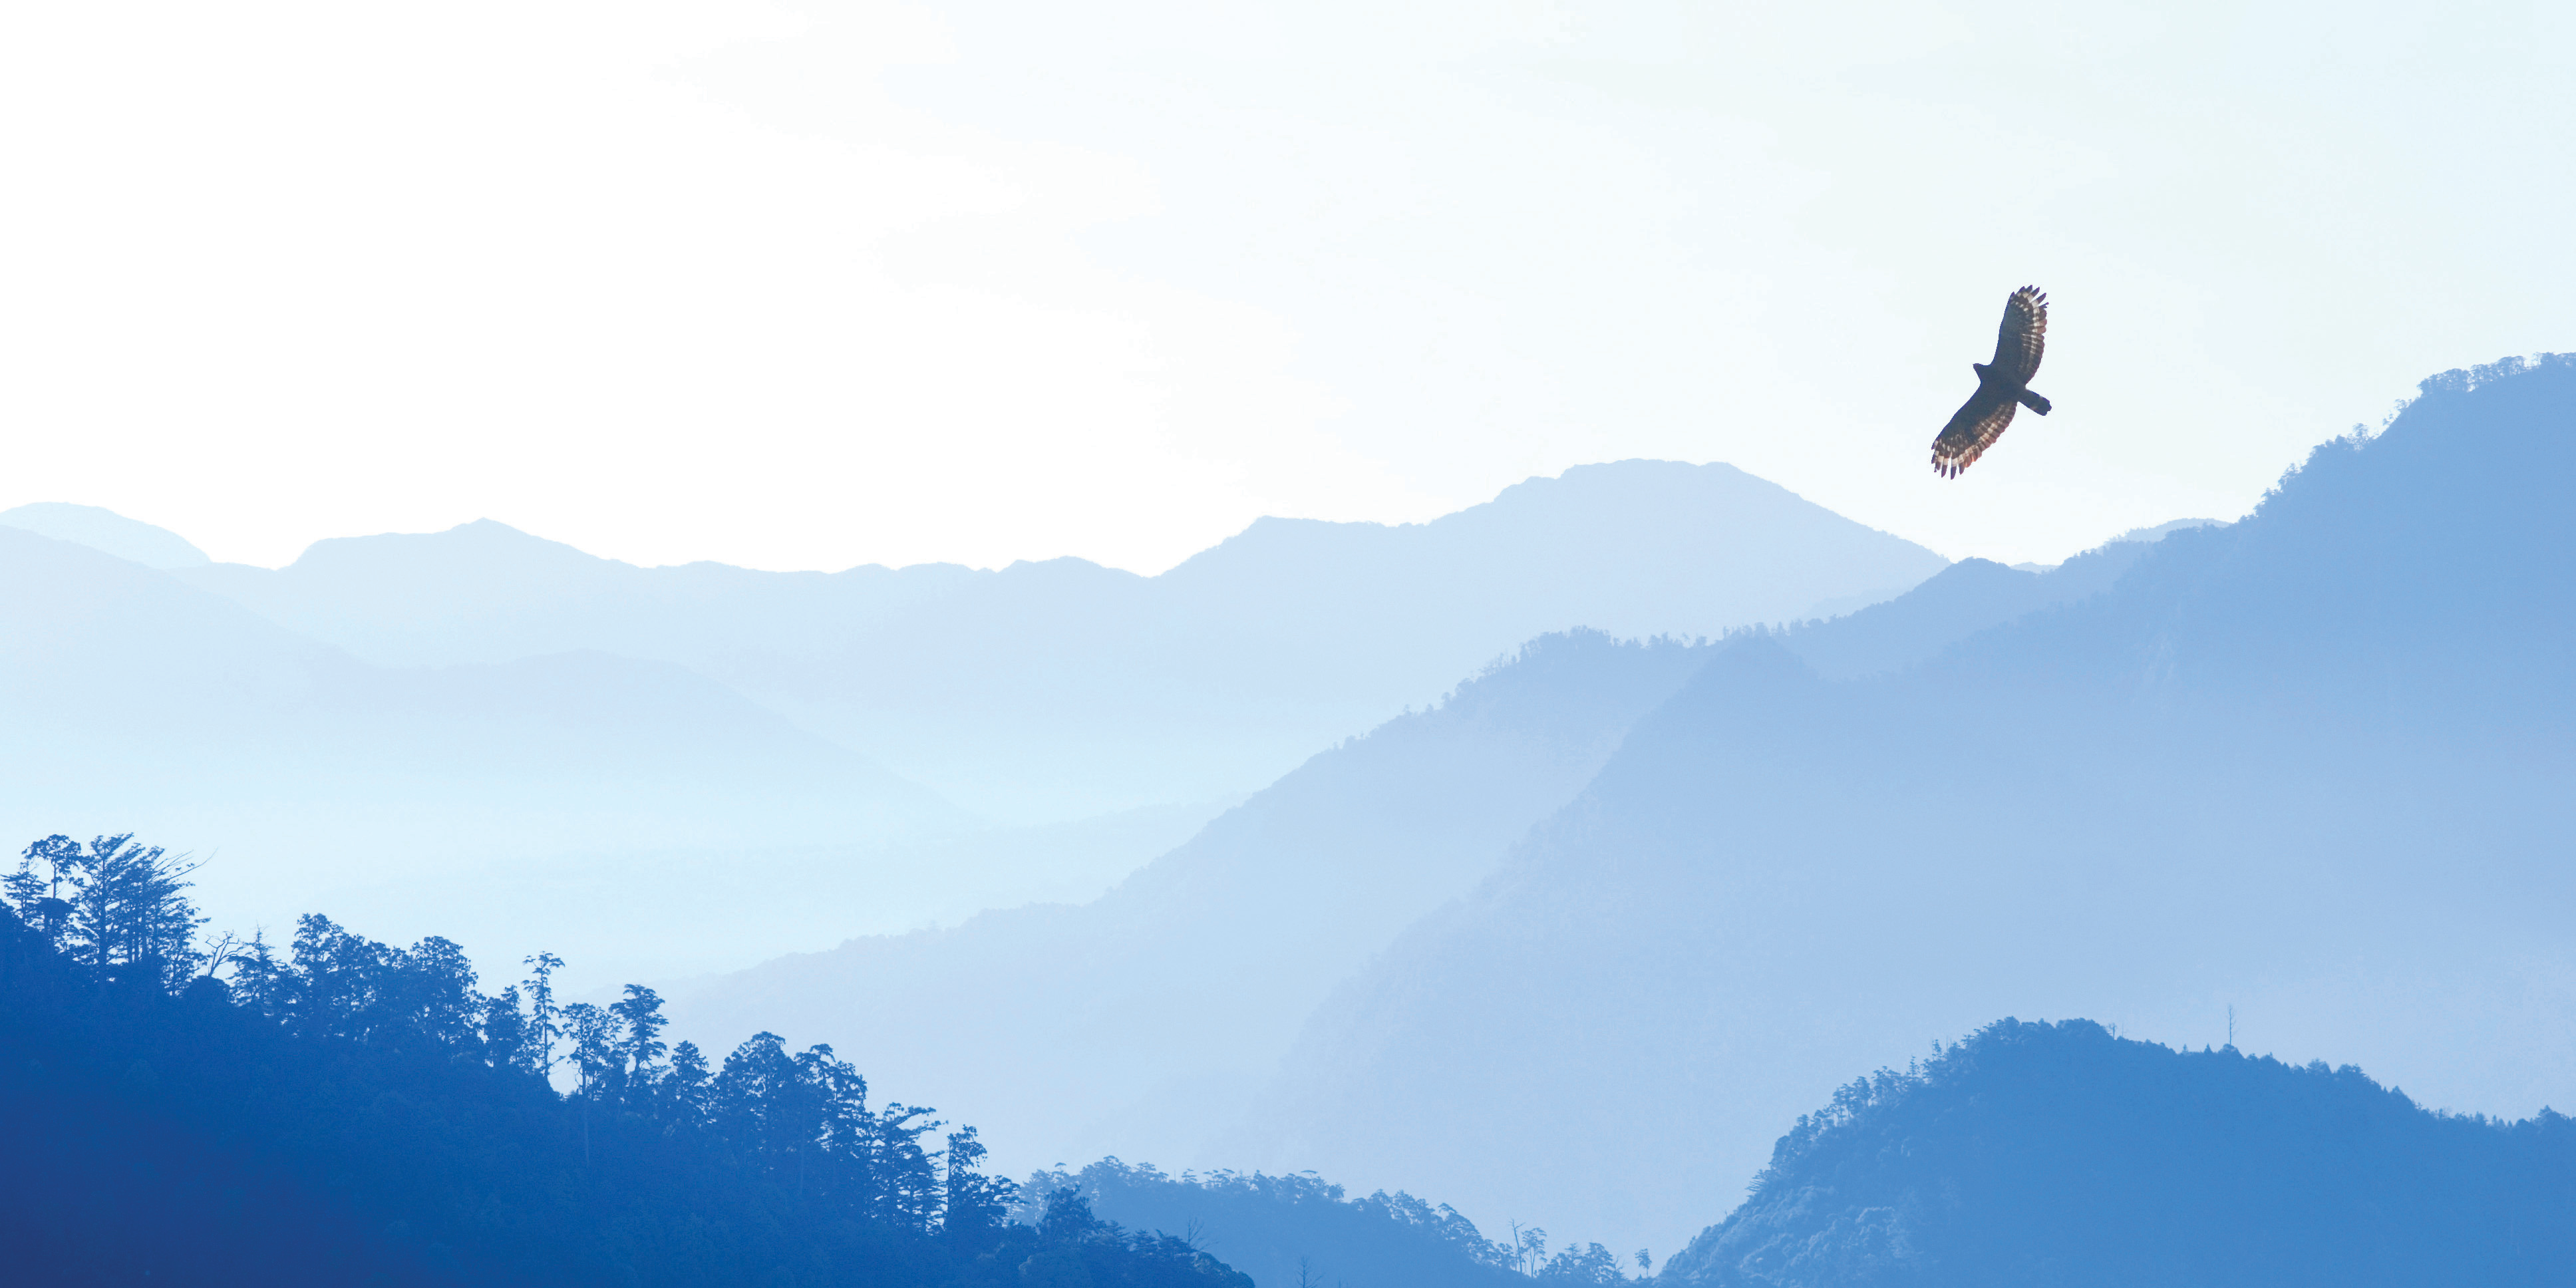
{"x":814,"y":286}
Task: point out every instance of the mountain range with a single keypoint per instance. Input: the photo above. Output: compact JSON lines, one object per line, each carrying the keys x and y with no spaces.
{"x":1061,"y":689}
{"x":1247,"y":929}
{"x":466,"y":731}
{"x":2309,"y":769}
{"x":2305,"y":767}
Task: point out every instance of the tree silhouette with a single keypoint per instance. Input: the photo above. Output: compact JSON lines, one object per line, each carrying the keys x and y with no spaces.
{"x":350,"y":1111}
{"x":113,"y":906}
{"x":639,"y":1053}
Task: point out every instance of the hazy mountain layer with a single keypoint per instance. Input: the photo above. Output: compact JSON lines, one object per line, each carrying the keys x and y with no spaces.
{"x":131,"y":702}
{"x":1063,"y":689}
{"x":2037,"y":1154}
{"x":1132,"y":1023}
{"x":1230,"y":927}
{"x":524,"y":727}
{"x":2313,"y":765}
{"x":681,"y":911}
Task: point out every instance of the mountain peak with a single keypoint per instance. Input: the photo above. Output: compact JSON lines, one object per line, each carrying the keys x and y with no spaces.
{"x":107,"y":531}
{"x":2032,"y":1152}
{"x":492,"y":543}
{"x":483,"y":544}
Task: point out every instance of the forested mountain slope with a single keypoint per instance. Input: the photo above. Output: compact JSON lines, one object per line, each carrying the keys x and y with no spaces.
{"x":1061,"y":689}
{"x":1136,"y":1022}
{"x":345,"y":1111}
{"x":2313,"y":765}
{"x":1969,"y":596}
{"x":2042,"y":1155}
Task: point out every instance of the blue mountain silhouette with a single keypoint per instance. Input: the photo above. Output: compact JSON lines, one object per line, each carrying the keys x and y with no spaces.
{"x":2036,"y":1154}
{"x":2313,"y":765}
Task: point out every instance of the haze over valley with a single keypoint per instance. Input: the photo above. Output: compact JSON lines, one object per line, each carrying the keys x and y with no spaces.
{"x":724,"y":764}
{"x":1651,"y":789}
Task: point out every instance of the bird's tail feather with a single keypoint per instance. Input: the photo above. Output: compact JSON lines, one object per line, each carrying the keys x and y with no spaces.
{"x":2034,"y":402}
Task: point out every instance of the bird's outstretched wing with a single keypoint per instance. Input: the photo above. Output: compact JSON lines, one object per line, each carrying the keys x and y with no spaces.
{"x":2023,"y":334}
{"x":1976,"y":426}
{"x":1982,"y":419}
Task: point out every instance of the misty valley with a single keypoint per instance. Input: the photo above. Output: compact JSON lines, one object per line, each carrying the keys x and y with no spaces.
{"x":1646,"y":875}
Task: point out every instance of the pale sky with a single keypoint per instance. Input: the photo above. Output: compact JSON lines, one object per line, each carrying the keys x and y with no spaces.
{"x":811,"y":285}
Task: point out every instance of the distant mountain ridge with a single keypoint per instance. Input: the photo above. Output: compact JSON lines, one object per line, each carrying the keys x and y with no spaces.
{"x":1063,"y":689}
{"x":1968,"y":597}
{"x":486,"y":592}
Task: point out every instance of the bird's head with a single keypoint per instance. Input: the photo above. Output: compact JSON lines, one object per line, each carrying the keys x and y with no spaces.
{"x":1978,"y":367}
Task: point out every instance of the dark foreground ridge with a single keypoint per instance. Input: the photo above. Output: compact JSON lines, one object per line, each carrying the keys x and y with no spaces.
{"x":2051,"y":1154}
{"x":1302,"y":1229}
{"x":359,"y":1114}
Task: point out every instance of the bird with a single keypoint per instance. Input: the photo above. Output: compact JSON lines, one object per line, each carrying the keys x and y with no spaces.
{"x":2001,"y":385}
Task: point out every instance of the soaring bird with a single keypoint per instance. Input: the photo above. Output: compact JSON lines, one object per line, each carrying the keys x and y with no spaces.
{"x":2000,"y":384}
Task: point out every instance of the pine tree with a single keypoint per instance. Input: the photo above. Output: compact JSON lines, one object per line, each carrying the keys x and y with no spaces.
{"x":684,"y":1088}
{"x":973,"y":1204}
{"x":545,"y":1019}
{"x":641,"y":1051}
